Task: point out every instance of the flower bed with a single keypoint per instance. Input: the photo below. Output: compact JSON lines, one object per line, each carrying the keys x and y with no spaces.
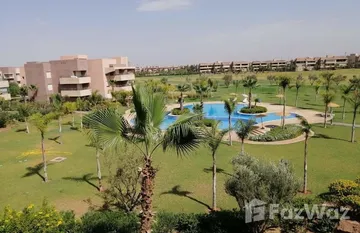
{"x":253,"y":110}
{"x":279,"y":134}
{"x":178,"y":111}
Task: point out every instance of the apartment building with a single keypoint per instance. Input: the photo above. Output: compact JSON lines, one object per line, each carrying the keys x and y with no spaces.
{"x":225,"y":66}
{"x":306,"y":63}
{"x":278,"y":64}
{"x":205,"y":67}
{"x":4,"y":89}
{"x":13,"y":75}
{"x":241,"y":66}
{"x":39,"y":75}
{"x":330,"y":62}
{"x":260,"y":65}
{"x":354,"y":60}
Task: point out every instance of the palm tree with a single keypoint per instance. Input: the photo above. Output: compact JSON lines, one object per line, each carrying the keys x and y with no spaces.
{"x":345,"y":91}
{"x":41,"y":122}
{"x":201,"y":87}
{"x":229,"y":106}
{"x":24,"y":92}
{"x":328,"y":80}
{"x":34,"y":92}
{"x":354,"y":100}
{"x":214,"y":138}
{"x":317,"y":89}
{"x":299,"y":83}
{"x":182,"y":88}
{"x":284,"y":84}
{"x":110,"y":127}
{"x":242,"y":130}
{"x":236,"y":84}
{"x":112,"y":83}
{"x":57,"y":102}
{"x":250,"y":82}
{"x":328,"y":97}
{"x":306,"y":129}
{"x":70,"y":108}
{"x":25,"y":110}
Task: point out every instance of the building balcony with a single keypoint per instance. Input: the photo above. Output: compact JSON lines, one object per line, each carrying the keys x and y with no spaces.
{"x":6,"y":96}
{"x":4,"y":84}
{"x":123,"y":77}
{"x":76,"y":93}
{"x":75,"y":80}
{"x":9,"y":77}
{"x":123,"y":88}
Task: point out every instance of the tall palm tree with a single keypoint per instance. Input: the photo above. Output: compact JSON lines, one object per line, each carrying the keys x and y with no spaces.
{"x":236,"y":84}
{"x":41,"y":122}
{"x":242,"y":130}
{"x":201,"y":87}
{"x":299,"y":83}
{"x":328,"y":97}
{"x":250,"y":82}
{"x":214,"y":138}
{"x":182,"y":88}
{"x":34,"y":91}
{"x":57,"y":102}
{"x":284,"y":84}
{"x":306,"y":129}
{"x":345,"y":91}
{"x":111,"y":128}
{"x":328,"y":80}
{"x":25,"y":110}
{"x":230,"y":106}
{"x":317,"y":87}
{"x":354,"y":100}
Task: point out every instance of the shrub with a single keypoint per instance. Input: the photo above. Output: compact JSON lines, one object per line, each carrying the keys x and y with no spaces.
{"x":4,"y":118}
{"x":108,"y":221}
{"x":178,"y":111}
{"x":209,"y":122}
{"x":353,"y":201}
{"x":253,"y":110}
{"x":344,"y":187}
{"x":357,"y":180}
{"x":123,"y":97}
{"x":279,"y":134}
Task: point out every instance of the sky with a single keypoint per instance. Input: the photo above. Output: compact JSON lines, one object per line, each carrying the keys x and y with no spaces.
{"x":174,"y":32}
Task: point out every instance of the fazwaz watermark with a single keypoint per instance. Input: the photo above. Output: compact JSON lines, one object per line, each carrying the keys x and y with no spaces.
{"x":257,"y":210}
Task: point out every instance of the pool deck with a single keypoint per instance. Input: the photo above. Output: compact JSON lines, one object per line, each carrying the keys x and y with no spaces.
{"x":310,"y":115}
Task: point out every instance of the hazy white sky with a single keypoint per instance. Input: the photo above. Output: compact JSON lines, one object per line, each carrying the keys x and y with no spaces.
{"x":167,"y":32}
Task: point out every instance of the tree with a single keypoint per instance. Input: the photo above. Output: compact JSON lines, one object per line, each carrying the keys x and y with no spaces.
{"x":14,"y":89}
{"x":250,"y":82}
{"x":24,"y":92}
{"x":339,"y":78}
{"x":345,"y":91}
{"x":111,"y":128}
{"x":164,"y":80}
{"x":70,"y":108}
{"x":214,"y":138}
{"x":242,"y":130}
{"x":299,"y":83}
{"x":112,"y":83}
{"x":306,"y":129}
{"x":41,"y":122}
{"x":34,"y":91}
{"x":271,"y":78}
{"x":227,"y":80}
{"x":182,"y":88}
{"x":95,"y":98}
{"x":313,"y":78}
{"x":236,"y":84}
{"x":284,"y":84}
{"x":230,"y":106}
{"x":317,"y":88}
{"x":57,"y":102}
{"x":354,"y":100}
{"x":268,"y":182}
{"x":328,"y":80}
{"x":201,"y":87}
{"x":25,"y":110}
{"x":328,"y":97}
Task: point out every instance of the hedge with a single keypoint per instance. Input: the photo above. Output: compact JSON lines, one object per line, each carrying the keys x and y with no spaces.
{"x":253,"y":110}
{"x":279,"y":134}
{"x":178,"y":111}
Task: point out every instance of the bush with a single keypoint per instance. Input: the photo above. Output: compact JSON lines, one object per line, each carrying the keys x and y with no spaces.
{"x":123,"y":97}
{"x":253,"y":110}
{"x":178,"y":111}
{"x":344,"y":187}
{"x":108,"y":221}
{"x":4,"y":118}
{"x":279,"y":134}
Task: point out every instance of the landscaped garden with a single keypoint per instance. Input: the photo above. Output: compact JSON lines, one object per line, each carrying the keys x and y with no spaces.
{"x":183,"y":184}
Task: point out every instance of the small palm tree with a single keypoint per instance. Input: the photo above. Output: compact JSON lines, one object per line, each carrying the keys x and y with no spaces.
{"x":317,"y":87}
{"x":328,"y":80}
{"x":284,"y":84}
{"x":243,"y":130}
{"x":354,"y":100}
{"x":236,"y":84}
{"x":182,"y":88}
{"x":306,"y":129}
{"x":111,"y":128}
{"x":250,"y":82}
{"x":70,"y":108}
{"x":328,"y":97}
{"x":299,"y":83}
{"x":214,"y":138}
{"x":230,"y":106}
{"x":25,"y":110}
{"x":24,"y":93}
{"x":201,"y":87}
{"x":57,"y":103}
{"x":345,"y":91}
{"x":41,"y":122}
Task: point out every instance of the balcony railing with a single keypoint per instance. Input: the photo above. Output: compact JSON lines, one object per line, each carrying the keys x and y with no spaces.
{"x":76,"y":93}
{"x":123,"y":77}
{"x":75,"y":80}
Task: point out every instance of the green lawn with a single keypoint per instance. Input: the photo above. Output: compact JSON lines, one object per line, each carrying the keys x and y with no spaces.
{"x":331,"y":157}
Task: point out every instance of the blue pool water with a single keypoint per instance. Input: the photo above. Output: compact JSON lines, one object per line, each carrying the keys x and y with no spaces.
{"x":217,"y":112}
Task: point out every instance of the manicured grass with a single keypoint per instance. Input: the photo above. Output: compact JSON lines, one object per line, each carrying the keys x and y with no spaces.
{"x":331,"y":157}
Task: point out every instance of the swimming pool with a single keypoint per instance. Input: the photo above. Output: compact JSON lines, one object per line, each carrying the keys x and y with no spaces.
{"x":216,"y":111}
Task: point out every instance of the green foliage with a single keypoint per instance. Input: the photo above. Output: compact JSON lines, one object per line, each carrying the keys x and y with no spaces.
{"x":279,"y":134}
{"x":353,"y":201}
{"x":82,"y":104}
{"x":198,"y":109}
{"x":4,"y":118}
{"x":109,"y":221}
{"x":271,"y":78}
{"x":344,"y":187}
{"x":14,"y":89}
{"x":178,"y":111}
{"x":69,"y":107}
{"x":41,"y":122}
{"x":227,"y":80}
{"x":123,"y":97}
{"x":313,"y":78}
{"x":253,"y":110}
{"x":339,"y":78}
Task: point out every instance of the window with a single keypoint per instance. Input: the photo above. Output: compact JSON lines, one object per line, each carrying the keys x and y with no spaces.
{"x":48,"y":74}
{"x":50,"y":87}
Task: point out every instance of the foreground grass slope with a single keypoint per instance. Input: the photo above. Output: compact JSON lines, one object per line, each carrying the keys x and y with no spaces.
{"x":182,"y":184}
